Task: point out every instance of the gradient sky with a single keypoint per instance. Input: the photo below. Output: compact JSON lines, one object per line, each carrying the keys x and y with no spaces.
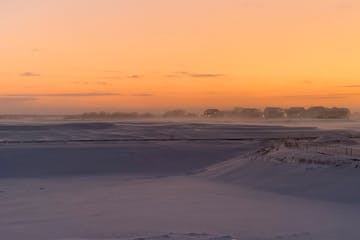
{"x":67,"y":56}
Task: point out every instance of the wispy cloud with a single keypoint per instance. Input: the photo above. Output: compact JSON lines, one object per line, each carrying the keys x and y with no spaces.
{"x":142,"y":95}
{"x":135,"y":76}
{"x":35,"y":50}
{"x":196,"y":75}
{"x":111,"y":77}
{"x":101,"y":83}
{"x":90,"y":82}
{"x":351,"y":86}
{"x":111,"y":71}
{"x":325,"y":96}
{"x":16,"y":99}
{"x":35,"y":96}
{"x":29,"y":74}
{"x":77,"y":94}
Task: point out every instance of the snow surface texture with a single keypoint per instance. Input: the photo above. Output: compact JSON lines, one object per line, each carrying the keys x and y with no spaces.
{"x":155,"y":181}
{"x":177,"y":236}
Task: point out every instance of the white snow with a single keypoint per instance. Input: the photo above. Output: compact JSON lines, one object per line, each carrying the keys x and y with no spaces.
{"x":186,"y":181}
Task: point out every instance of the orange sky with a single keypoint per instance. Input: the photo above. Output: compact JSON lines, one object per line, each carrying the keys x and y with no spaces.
{"x":118,"y":55}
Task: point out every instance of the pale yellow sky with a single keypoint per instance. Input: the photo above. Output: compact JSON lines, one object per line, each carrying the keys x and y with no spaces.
{"x":82,"y":55}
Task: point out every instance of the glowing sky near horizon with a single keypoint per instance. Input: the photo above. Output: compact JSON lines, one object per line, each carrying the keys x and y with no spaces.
{"x":119,"y":55}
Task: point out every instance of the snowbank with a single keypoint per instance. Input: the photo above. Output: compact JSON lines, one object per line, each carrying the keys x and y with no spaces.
{"x":293,"y":172}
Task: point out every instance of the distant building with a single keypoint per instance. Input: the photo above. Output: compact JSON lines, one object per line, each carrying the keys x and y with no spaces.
{"x":295,"y":112}
{"x":328,"y":113}
{"x":274,"y":112}
{"x":240,"y":112}
{"x":337,"y":113}
{"x":316,"y":112}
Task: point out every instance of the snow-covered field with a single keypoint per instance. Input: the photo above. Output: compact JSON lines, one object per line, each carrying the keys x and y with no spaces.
{"x":198,"y":181}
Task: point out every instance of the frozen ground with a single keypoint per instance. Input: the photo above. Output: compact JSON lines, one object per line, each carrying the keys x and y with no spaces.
{"x":155,"y":181}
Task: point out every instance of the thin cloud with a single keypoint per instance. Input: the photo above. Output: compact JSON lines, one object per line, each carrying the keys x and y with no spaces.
{"x":32,"y":97}
{"x":135,"y":76}
{"x":111,"y":77}
{"x":86,"y":94}
{"x":351,"y":86}
{"x":16,"y":99}
{"x":197,"y":75}
{"x":142,"y":95}
{"x":328,"y":96}
{"x":111,"y":71}
{"x":29,"y":74}
{"x":89,"y":83}
{"x":101,"y":83}
{"x":171,"y":75}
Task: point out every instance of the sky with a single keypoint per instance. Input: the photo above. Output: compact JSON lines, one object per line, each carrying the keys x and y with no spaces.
{"x":72,"y":56}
